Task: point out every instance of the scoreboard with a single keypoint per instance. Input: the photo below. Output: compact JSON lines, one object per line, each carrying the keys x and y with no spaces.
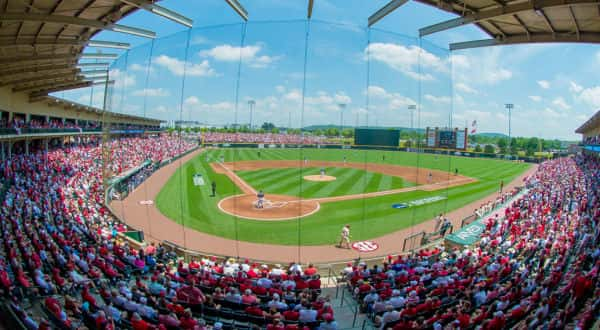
{"x":446,"y":138}
{"x":376,"y":137}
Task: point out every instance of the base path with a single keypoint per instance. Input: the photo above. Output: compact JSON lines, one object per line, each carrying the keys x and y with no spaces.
{"x":157,"y":227}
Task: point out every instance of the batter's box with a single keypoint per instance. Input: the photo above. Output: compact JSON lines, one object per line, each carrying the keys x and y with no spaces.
{"x":267,"y":204}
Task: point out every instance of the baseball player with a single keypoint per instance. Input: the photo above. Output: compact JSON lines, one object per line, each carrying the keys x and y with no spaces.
{"x":261,"y":199}
{"x":322,"y":172}
{"x":345,"y":237}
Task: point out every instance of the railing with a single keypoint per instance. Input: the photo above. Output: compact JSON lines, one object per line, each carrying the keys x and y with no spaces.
{"x":416,"y":238}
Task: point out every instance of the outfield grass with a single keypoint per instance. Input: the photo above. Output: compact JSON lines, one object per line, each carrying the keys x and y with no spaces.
{"x":370,"y":217}
{"x":290,"y":181}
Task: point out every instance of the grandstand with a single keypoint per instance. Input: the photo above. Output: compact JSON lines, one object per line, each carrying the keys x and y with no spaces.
{"x":74,"y":175}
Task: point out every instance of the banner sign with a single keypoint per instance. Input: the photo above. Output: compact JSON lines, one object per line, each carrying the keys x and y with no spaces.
{"x":460,"y":139}
{"x":431,"y":138}
{"x":467,"y":235}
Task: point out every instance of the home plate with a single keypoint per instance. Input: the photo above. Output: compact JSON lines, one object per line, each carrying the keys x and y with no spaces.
{"x":365,"y":246}
{"x":148,"y":202}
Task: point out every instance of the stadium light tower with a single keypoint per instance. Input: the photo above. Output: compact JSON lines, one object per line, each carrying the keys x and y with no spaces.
{"x":412,"y":108}
{"x":342,"y":106}
{"x":251,"y":104}
{"x":509,"y":107}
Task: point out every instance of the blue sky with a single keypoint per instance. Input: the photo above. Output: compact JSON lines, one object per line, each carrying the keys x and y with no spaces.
{"x":553,"y":86}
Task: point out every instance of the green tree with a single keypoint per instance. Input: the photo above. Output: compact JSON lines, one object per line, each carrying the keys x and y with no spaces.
{"x":531,"y":146}
{"x":502,"y":144}
{"x":348,"y":133}
{"x":478,"y":148}
{"x":513,"y":146}
{"x":268,"y":126}
{"x":489,"y":149}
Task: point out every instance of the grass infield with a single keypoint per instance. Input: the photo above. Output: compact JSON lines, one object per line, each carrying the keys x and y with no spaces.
{"x":183,"y":202}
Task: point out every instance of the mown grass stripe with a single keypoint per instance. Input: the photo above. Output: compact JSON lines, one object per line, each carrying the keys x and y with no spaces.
{"x":362,"y":184}
{"x":385,"y":183}
{"x":345,"y":183}
{"x":274,"y":175}
{"x":288,"y":185}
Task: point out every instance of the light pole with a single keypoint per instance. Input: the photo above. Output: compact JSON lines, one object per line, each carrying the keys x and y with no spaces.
{"x":251,"y":104}
{"x":509,"y":107}
{"x":342,"y":107}
{"x":412,"y":108}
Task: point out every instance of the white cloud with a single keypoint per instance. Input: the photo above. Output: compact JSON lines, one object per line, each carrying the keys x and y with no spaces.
{"x":280,"y":89}
{"x":591,"y":96}
{"x":545,"y":84}
{"x":293,"y":95}
{"x":392,"y":100}
{"x":462,"y":87}
{"x":574,"y":87}
{"x":406,"y":59}
{"x":561,"y":103}
{"x":249,"y":55}
{"x":139,"y":67}
{"x":535,"y":98}
{"x":178,"y":67}
{"x":485,"y":65}
{"x":151,"y":92}
{"x":438,"y":99}
{"x":121,"y":78}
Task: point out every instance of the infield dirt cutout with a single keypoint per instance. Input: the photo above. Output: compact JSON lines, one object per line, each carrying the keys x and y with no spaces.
{"x":283,"y":207}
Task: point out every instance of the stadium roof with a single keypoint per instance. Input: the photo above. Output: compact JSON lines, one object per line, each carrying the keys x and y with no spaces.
{"x":519,"y":21}
{"x":591,"y":123}
{"x":41,"y":41}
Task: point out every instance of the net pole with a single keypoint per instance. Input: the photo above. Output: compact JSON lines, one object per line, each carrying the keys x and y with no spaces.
{"x":235,"y":119}
{"x":185,"y":62}
{"x":147,"y":207}
{"x":367,"y":109}
{"x":302,"y":107}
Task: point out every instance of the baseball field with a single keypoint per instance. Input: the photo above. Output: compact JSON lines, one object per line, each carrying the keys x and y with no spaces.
{"x":376,"y":192}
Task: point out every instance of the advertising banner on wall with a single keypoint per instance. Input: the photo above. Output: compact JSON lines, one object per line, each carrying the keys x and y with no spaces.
{"x":431,"y":138}
{"x":460,"y":139}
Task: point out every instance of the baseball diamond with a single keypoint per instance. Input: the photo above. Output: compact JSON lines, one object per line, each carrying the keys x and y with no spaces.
{"x":320,"y":216}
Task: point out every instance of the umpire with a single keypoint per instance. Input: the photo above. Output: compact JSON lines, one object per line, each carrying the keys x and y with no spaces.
{"x":213,"y":187}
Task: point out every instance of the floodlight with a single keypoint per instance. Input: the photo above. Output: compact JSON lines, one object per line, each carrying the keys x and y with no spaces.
{"x":132,"y":30}
{"x":108,"y":44}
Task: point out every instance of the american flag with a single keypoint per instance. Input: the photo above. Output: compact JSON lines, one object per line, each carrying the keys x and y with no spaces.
{"x":474,"y":127}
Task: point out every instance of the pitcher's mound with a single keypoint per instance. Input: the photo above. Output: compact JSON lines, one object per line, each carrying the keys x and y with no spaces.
{"x":319,"y":178}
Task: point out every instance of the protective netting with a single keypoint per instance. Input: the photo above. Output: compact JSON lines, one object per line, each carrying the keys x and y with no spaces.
{"x":261,"y":106}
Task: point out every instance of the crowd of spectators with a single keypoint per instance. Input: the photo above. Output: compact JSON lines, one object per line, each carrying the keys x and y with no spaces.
{"x":18,"y":124}
{"x":489,"y":206}
{"x":128,"y":153}
{"x":592,"y":140}
{"x":60,"y":251}
{"x":535,"y":267}
{"x":269,"y":138}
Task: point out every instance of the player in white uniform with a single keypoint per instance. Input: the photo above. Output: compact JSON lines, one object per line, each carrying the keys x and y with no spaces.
{"x":345,"y":237}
